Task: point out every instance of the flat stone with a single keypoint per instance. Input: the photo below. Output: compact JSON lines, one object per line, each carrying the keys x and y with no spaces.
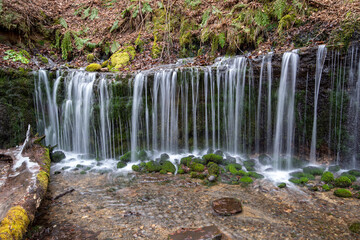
{"x":203,"y":233}
{"x":227,"y":206}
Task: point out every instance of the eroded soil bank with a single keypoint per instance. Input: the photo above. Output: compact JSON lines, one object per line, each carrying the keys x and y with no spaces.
{"x":150,"y":206}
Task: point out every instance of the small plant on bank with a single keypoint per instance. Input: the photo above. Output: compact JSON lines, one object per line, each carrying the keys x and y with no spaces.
{"x":342,"y":181}
{"x":344,"y":193}
{"x":327,"y":177}
{"x":15,"y":56}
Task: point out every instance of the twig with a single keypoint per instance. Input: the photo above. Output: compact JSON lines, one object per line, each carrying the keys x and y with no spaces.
{"x":63,"y":194}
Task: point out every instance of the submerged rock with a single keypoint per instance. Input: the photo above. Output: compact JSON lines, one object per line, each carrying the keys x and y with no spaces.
{"x":208,"y":233}
{"x":227,"y":206}
{"x":57,"y":156}
{"x":265,"y":159}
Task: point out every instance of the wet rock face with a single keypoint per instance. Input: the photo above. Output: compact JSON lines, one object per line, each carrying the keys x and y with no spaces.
{"x":57,"y":156}
{"x":204,"y":233}
{"x":227,"y":206}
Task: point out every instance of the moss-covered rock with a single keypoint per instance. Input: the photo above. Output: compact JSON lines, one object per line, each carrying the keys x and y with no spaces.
{"x":354,"y":172}
{"x":186,"y":160}
{"x":142,"y":155}
{"x":334,"y":168}
{"x":121,"y":165}
{"x":42,"y":59}
{"x":234,"y":168}
{"x":299,"y":174}
{"x":282,"y":185}
{"x":197,"y":167}
{"x":135,"y":168}
{"x":152,"y":166}
{"x":265,"y":159}
{"x":349,"y":176}
{"x":342,"y":182}
{"x":90,"y":58}
{"x":355,"y":227}
{"x":57,"y":156}
{"x":325,"y":187}
{"x":211,"y":157}
{"x":15,"y":223}
{"x":181,"y":171}
{"x":168,"y":167}
{"x":162,"y":171}
{"x":344,"y":193}
{"x":300,"y":181}
{"x":122,"y":57}
{"x":249,"y":164}
{"x":93,"y":67}
{"x":255,"y":175}
{"x":316,"y":171}
{"x":327,"y":177}
{"x":126,"y":157}
{"x":214,"y":169}
{"x":246,"y":180}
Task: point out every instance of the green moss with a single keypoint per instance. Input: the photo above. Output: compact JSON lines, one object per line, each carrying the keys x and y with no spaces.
{"x":155,"y":49}
{"x":351,"y":177}
{"x":326,"y":187}
{"x":15,"y":223}
{"x":126,"y":157}
{"x":354,"y":172}
{"x":181,"y":171}
{"x":334,"y":168}
{"x":152,"y":166}
{"x":43,"y":179}
{"x":105,"y":64}
{"x":246,"y":180}
{"x":186,"y":161}
{"x":93,"y":67}
{"x":342,"y":181}
{"x":327,"y":177}
{"x":234,"y":168}
{"x":344,"y":193}
{"x":135,"y":168}
{"x":249,"y":164}
{"x":255,"y":175}
{"x":211,"y":157}
{"x":297,"y":181}
{"x":316,"y":171}
{"x":90,"y":58}
{"x":194,"y":174}
{"x":197,"y":167}
{"x":142,"y":155}
{"x":355,"y":227}
{"x":168,"y":167}
{"x":162,"y":171}
{"x":83,"y":172}
{"x":66,"y":45}
{"x":121,"y":165}
{"x":43,"y":59}
{"x":282,"y":185}
{"x":301,"y":174}
{"x":214,"y":169}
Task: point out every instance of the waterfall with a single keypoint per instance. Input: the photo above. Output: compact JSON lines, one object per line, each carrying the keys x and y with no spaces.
{"x":284,"y":132}
{"x":269,"y":105}
{"x":320,"y":60}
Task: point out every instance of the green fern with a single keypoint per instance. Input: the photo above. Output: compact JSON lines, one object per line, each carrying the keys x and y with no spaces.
{"x":1,"y":5}
{"x":146,"y":8}
{"x":286,"y":22}
{"x":214,"y":44}
{"x":66,"y":45}
{"x":193,"y":3}
{"x":279,"y":8}
{"x":94,"y":13}
{"x":222,"y":40}
{"x":261,"y":19}
{"x":80,"y":42}
{"x":86,"y":13}
{"x":205,"y":34}
{"x":115,"y":26}
{"x":63,"y":22}
{"x":205,"y":17}
{"x":135,"y":12}
{"x":78,"y":11}
{"x":57,"y":39}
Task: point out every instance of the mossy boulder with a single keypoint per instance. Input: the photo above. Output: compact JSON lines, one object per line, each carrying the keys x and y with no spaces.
{"x":326,"y":187}
{"x":334,"y":168}
{"x":355,"y":227}
{"x":122,"y":57}
{"x":344,"y":193}
{"x":142,"y":155}
{"x":152,"y":166}
{"x":327,"y":177}
{"x":57,"y":156}
{"x":265,"y":159}
{"x":282,"y":185}
{"x":90,"y":58}
{"x":249,"y":164}
{"x":126,"y":157}
{"x":246,"y":180}
{"x":255,"y":175}
{"x":180,"y":171}
{"x":342,"y":182}
{"x":299,"y":181}
{"x":135,"y":168}
{"x":214,"y":169}
{"x":316,"y":171}
{"x":349,"y":176}
{"x":93,"y":67}
{"x":234,"y":168}
{"x":354,"y":172}
{"x":300,"y":174}
{"x":164,"y":157}
{"x":168,"y":167}
{"x":162,"y":171}
{"x":197,"y":167}
{"x":121,"y":165}
{"x":211,"y":157}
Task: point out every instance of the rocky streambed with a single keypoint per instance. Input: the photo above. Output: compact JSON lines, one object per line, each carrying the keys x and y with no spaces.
{"x":152,"y":206}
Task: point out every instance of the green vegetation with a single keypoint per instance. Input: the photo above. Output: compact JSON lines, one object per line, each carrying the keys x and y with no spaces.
{"x":327,"y":177}
{"x":121,"y":165}
{"x":282,"y":185}
{"x":90,"y":58}
{"x":197,"y":167}
{"x":351,"y":177}
{"x":326,"y":187}
{"x":354,"y":172}
{"x":342,"y":182}
{"x":213,"y":169}
{"x":246,"y":180}
{"x":152,"y":166}
{"x":167,"y":166}
{"x":126,"y":157}
{"x":344,"y":193}
{"x":21,"y":56}
{"x":334,"y":168}
{"x":355,"y":227}
{"x":135,"y":168}
{"x":300,"y":181}
{"x":212,"y":158}
{"x":316,"y":171}
{"x":93,"y":67}
{"x":249,"y":164}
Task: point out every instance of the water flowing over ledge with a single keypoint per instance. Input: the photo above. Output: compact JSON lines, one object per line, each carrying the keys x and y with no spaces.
{"x":239,"y":105}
